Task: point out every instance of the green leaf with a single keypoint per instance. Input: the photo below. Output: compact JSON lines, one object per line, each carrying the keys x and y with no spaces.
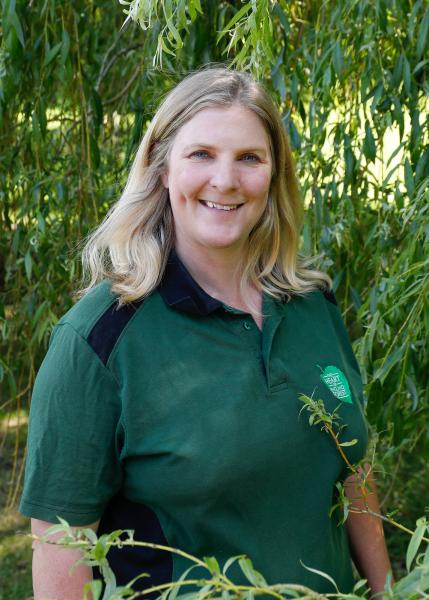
{"x":422,"y":38}
{"x":92,"y":590}
{"x":376,"y":95}
{"x":422,"y":167}
{"x":194,"y":9}
{"x":98,"y":107}
{"x":409,"y":178}
{"x":350,"y":443}
{"x":359,"y":585}
{"x":356,"y":299}
{"x":415,"y":541}
{"x":387,"y":365}
{"x":413,"y":19}
{"x":338,"y":59}
{"x":322,"y":574}
{"x":52,"y":53}
{"x":349,"y":161}
{"x":406,"y":75}
{"x":398,"y":70}
{"x":40,"y":310}
{"x":295,"y":138}
{"x":412,"y":390}
{"x":176,"y":35}
{"x":253,"y":576}
{"x":90,"y":534}
{"x":212,"y":565}
{"x":238,"y":15}
{"x":65,"y":46}
{"x":28,"y":263}
{"x":230,"y":561}
{"x":39,"y":117}
{"x":369,"y":148}
{"x":16,"y":24}
{"x":282,"y":16}
{"x":164,"y":46}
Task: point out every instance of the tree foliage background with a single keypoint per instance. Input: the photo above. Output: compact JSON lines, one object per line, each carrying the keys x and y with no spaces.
{"x":77,"y":91}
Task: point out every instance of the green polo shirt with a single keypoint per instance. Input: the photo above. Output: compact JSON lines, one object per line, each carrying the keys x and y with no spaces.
{"x":177,"y":417}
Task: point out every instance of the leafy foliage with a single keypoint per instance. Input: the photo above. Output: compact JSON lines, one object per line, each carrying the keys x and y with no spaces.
{"x":77,"y":89}
{"x":213,"y":581}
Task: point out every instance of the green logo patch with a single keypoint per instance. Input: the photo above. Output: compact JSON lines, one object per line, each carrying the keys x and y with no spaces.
{"x":336,"y":381}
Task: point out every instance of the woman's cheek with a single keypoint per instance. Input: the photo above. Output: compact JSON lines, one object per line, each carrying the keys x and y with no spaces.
{"x":259,"y":184}
{"x":192,"y":180}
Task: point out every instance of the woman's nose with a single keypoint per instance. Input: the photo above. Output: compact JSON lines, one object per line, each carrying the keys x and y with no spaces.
{"x":225,"y":176}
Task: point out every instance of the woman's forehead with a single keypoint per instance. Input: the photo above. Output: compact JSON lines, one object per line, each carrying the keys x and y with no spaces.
{"x":235,"y":125}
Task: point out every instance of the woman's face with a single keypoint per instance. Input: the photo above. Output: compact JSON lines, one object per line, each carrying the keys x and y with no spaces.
{"x":218,"y":177}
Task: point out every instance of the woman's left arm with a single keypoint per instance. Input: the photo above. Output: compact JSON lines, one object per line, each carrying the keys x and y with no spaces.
{"x":366,"y":535}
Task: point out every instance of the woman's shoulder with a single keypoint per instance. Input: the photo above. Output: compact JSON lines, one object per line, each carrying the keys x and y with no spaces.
{"x":319,"y":295}
{"x":89,"y":308}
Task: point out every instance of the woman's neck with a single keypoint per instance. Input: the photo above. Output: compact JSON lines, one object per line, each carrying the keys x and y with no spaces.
{"x":219,"y":273}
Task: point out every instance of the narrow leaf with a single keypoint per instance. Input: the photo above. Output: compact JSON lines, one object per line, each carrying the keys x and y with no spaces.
{"x":28,"y":263}
{"x":243,"y":10}
{"x":52,"y":53}
{"x":253,"y":576}
{"x":369,"y":148}
{"x":409,"y":178}
{"x":383,"y":371}
{"x":406,"y":75}
{"x":415,"y":541}
{"x":322,"y":574}
{"x":16,"y":24}
{"x":65,"y":46}
{"x":422,"y":39}
{"x":338,"y":59}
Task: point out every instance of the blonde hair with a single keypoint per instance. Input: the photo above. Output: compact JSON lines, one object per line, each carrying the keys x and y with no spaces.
{"x":132,"y":244}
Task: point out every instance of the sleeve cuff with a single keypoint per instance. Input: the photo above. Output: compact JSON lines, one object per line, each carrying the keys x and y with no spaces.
{"x":48,"y":513}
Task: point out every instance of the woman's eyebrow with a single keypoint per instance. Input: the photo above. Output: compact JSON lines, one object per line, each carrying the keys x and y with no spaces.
{"x":243,"y":150}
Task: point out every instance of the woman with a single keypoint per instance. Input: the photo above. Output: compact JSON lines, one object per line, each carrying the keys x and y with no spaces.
{"x":168,"y":402}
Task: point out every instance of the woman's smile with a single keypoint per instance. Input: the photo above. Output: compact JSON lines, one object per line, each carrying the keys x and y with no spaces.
{"x":219,"y":206}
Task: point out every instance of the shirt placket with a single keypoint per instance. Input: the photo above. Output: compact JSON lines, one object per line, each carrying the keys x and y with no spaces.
{"x":273,"y":316}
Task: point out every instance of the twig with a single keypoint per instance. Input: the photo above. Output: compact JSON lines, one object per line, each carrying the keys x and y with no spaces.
{"x":83,"y":544}
{"x":368,"y":511}
{"x":126,"y":88}
{"x":105,"y":58}
{"x":113,"y":60}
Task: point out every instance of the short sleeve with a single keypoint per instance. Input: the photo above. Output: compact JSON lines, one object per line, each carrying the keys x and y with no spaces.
{"x":73,"y":465}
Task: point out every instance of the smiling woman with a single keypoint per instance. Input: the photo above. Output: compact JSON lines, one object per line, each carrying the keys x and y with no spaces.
{"x":168,"y":402}
{"x":219,"y":185}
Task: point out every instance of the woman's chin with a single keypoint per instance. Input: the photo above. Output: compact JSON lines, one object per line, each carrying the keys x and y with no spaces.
{"x":224,"y":243}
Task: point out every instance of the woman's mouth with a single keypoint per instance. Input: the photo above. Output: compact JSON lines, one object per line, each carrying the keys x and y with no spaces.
{"x":217,"y":206}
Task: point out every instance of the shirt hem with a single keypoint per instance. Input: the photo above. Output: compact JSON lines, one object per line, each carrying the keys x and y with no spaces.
{"x":50,"y":513}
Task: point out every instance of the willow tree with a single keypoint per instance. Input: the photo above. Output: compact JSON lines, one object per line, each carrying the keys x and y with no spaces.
{"x":78,"y":85}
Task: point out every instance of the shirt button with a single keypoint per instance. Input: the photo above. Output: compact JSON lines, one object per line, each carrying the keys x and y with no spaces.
{"x":247,"y":325}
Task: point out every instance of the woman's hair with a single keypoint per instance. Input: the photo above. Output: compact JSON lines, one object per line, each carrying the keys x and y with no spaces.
{"x":132,"y":244}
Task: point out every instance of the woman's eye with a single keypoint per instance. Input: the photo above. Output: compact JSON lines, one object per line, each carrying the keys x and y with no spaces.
{"x":199,"y":154}
{"x":250,"y":158}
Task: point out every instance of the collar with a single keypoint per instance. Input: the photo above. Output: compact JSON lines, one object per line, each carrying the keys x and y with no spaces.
{"x":179,"y":290}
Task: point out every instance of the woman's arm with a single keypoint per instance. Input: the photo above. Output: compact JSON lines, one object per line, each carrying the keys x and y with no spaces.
{"x":366,"y":533}
{"x":53,"y":578}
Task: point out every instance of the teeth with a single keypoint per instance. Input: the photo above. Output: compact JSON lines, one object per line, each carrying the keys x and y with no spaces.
{"x":221,"y":206}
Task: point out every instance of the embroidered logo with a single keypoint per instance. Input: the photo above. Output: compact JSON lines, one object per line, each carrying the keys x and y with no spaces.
{"x":336,"y":381}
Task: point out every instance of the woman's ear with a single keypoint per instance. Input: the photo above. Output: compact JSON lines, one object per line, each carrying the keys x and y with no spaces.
{"x":164,"y":179}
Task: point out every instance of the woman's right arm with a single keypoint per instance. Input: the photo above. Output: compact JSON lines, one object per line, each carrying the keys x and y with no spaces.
{"x":53,"y":576}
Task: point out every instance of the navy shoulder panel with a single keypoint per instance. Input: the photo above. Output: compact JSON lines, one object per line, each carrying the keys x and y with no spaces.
{"x":106,"y":331}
